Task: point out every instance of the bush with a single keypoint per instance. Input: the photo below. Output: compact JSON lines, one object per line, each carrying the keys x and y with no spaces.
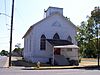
{"x":89,"y":54}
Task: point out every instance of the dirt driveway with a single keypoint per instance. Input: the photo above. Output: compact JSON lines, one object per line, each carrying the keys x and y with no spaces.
{"x":88,"y":62}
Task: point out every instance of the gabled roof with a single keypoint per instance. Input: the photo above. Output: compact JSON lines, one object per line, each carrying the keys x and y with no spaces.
{"x":31,"y":27}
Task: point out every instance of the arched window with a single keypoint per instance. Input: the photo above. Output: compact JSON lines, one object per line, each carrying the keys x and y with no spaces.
{"x":69,"y":39}
{"x":56,"y":37}
{"x":43,"y":42}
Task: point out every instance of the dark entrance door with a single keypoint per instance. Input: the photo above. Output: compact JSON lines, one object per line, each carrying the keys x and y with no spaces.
{"x":57,"y":51}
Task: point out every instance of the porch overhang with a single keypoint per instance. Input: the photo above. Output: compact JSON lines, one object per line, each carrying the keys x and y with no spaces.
{"x":67,"y":46}
{"x":59,"y":42}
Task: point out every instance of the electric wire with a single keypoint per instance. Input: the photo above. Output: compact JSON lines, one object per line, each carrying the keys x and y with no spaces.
{"x":20,"y":15}
{"x":5,"y":12}
{"x":4,"y":37}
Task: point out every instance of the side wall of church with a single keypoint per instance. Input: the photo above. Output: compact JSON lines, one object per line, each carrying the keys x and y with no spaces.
{"x":50,"y":26}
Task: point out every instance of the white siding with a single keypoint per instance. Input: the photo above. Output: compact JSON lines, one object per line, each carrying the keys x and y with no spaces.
{"x":48,"y":27}
{"x":72,"y":55}
{"x":53,"y":10}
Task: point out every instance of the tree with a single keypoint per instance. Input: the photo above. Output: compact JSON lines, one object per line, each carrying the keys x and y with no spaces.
{"x":18,"y":45}
{"x":87,"y":34}
{"x":4,"y":53}
{"x":17,"y":51}
{"x":81,"y":36}
{"x":95,"y":14}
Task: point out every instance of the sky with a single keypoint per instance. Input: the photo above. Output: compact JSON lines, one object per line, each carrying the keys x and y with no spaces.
{"x":28,"y":12}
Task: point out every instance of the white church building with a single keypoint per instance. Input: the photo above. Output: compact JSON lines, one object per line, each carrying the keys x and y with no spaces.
{"x":52,"y":40}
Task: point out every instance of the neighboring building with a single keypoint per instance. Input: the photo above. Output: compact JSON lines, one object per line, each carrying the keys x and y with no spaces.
{"x":53,"y":30}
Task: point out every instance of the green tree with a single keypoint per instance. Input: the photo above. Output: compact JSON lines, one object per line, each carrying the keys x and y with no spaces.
{"x":18,"y":51}
{"x":87,"y":34}
{"x":4,"y":53}
{"x":81,"y":38}
{"x":95,"y":14}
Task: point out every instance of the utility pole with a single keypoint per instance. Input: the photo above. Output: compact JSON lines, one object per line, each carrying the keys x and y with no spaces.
{"x":12,"y":13}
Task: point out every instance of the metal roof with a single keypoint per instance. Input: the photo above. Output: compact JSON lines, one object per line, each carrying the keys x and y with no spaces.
{"x":59,"y":42}
{"x":67,"y":46}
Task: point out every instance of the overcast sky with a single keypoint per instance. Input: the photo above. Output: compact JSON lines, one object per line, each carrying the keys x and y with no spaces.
{"x":28,"y":12}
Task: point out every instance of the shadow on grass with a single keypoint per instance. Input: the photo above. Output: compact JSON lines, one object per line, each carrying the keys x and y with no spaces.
{"x":22,"y":63}
{"x":94,"y":67}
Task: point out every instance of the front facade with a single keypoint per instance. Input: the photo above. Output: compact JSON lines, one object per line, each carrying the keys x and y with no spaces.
{"x":53,"y":30}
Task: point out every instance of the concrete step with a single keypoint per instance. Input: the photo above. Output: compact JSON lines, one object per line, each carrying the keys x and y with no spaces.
{"x":61,"y":60}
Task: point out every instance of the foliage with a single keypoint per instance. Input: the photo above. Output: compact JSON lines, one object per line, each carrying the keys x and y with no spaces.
{"x":89,"y":53}
{"x":18,"y":51}
{"x":87,"y":35}
{"x":4,"y":53}
{"x":18,"y":45}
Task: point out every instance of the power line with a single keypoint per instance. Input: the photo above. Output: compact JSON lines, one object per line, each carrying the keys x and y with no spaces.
{"x":4,"y":43}
{"x":6,"y":15}
{"x":5,"y":11}
{"x":4,"y":37}
{"x":20,"y":15}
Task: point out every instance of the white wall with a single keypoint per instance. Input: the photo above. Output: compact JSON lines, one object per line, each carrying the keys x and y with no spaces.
{"x":72,"y":55}
{"x":50,"y":26}
{"x":53,"y":10}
